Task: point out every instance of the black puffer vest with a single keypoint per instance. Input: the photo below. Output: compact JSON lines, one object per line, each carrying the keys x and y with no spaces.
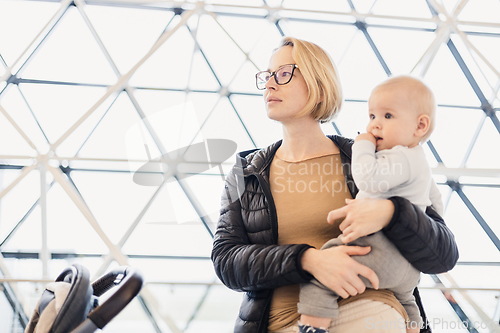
{"x":246,"y":255}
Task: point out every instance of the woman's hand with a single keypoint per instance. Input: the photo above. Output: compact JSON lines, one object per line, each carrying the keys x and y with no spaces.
{"x":362,"y":217}
{"x":335,"y":269}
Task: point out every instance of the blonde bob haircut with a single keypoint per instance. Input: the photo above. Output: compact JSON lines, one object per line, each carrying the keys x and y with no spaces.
{"x":418,"y":94}
{"x":320,"y":74}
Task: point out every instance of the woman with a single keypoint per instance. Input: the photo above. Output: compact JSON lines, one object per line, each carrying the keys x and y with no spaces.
{"x":276,"y":201}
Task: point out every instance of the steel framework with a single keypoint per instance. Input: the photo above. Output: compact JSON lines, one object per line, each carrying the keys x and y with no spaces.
{"x":443,"y":23}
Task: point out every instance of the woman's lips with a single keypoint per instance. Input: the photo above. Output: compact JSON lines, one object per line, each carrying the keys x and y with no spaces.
{"x":272,"y":100}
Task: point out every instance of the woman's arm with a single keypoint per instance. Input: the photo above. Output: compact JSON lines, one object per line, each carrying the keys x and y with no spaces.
{"x":243,"y":266}
{"x":422,"y":238}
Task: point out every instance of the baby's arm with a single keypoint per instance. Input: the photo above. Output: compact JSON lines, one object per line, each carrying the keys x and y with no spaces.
{"x":436,"y":200}
{"x":381,"y":171}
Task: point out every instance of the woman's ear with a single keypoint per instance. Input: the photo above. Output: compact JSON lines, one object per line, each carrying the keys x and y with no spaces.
{"x":423,"y":122}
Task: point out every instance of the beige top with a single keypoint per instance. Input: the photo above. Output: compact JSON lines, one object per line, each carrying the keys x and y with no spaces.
{"x":304,"y":193}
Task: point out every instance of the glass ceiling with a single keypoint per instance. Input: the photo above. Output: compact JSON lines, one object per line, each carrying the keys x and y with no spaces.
{"x":99,"y":98}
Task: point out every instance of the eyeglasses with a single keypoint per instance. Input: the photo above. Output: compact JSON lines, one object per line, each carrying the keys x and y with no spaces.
{"x":282,"y":76}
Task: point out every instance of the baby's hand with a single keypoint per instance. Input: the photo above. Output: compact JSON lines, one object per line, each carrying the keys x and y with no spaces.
{"x":367,"y":136}
{"x":362,"y":217}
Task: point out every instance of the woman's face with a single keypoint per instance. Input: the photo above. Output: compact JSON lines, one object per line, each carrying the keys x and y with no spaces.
{"x":284,"y":102}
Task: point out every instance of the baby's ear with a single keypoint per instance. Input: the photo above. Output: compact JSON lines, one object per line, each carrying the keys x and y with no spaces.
{"x":423,"y":122}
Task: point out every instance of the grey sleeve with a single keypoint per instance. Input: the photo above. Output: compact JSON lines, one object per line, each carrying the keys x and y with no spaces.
{"x":376,"y":172}
{"x":436,"y":200}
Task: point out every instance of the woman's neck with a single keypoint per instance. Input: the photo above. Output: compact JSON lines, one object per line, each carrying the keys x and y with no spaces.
{"x":303,"y":139}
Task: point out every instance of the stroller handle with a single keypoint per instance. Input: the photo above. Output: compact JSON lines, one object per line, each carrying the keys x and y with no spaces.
{"x":109,"y":280}
{"x":130,"y":283}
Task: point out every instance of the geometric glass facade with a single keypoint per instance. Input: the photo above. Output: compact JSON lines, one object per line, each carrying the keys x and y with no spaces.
{"x":100,"y":101}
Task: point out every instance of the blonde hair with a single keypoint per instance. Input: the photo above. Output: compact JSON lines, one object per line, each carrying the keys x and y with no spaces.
{"x":320,"y":74}
{"x":419,"y":95}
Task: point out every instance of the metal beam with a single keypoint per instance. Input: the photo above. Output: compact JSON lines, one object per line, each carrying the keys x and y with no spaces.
{"x":71,"y":255}
{"x":491,"y":234}
{"x":473,"y":141}
{"x":491,"y":325}
{"x":44,"y":251}
{"x":241,"y":121}
{"x":434,"y":152}
{"x":362,"y":26}
{"x":107,"y":259}
{"x":11,"y":292}
{"x":122,"y":82}
{"x":20,"y":223}
{"x":198,"y":307}
{"x":204,"y":56}
{"x":25,"y":171}
{"x":149,"y":314}
{"x":33,"y":114}
{"x":454,"y":304}
{"x":205,"y":219}
{"x":454,"y":173}
{"x":96,"y":125}
{"x":14,"y":303}
{"x":467,"y":73}
{"x":16,"y":68}
{"x":442,"y":34}
{"x":336,"y":128}
{"x":485,"y":104}
{"x":78,"y":200}
{"x":17,"y":128}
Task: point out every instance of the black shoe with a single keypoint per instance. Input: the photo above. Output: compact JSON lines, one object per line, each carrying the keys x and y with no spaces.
{"x":311,"y":329}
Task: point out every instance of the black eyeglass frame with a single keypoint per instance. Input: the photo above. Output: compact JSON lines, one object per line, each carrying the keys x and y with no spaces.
{"x":274,"y":74}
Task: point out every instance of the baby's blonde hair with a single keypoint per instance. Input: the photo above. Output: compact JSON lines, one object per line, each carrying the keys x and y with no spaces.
{"x":320,"y":74}
{"x":419,"y":95}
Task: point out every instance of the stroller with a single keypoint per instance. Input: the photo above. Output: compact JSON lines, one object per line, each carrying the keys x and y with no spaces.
{"x":70,"y":304}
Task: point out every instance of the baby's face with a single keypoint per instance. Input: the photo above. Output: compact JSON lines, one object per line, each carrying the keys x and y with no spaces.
{"x":393,"y":121}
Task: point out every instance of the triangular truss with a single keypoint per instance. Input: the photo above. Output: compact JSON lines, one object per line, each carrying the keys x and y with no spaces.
{"x":85,"y":103}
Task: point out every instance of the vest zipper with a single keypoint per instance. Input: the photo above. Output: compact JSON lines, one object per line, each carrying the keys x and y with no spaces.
{"x":273,"y":216}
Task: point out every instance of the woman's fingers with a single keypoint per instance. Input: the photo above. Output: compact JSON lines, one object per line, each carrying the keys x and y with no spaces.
{"x":369,"y":274}
{"x":362,"y":269}
{"x":342,"y":276}
{"x":357,"y":284}
{"x":356,"y":250}
{"x":347,"y":284}
{"x":351,"y":288}
{"x":359,"y":269}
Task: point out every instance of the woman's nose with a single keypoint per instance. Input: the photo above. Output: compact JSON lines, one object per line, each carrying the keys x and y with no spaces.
{"x":271,"y":83}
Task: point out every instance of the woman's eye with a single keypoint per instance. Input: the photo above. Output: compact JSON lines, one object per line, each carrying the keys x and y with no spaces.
{"x":388,"y":116}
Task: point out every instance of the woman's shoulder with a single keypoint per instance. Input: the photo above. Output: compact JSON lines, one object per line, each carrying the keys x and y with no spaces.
{"x":255,"y":159}
{"x":344,"y":144}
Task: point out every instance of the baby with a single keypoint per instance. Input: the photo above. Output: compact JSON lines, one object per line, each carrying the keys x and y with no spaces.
{"x":387,"y":161}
